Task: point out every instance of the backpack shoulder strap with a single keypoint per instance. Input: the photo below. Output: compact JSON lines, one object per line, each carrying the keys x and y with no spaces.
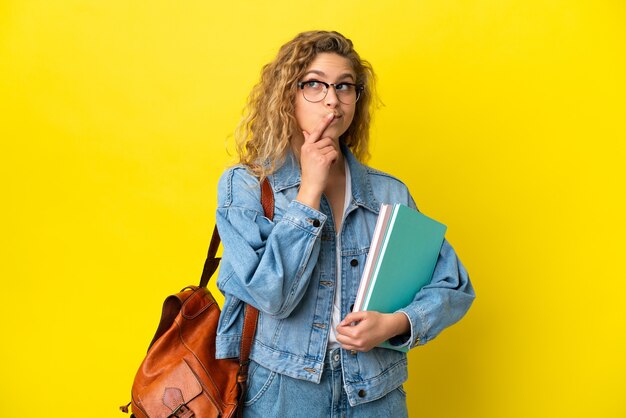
{"x":211,"y":262}
{"x":251,"y":314}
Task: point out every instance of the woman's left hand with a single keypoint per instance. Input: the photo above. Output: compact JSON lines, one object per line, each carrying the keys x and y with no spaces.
{"x":362,"y":331}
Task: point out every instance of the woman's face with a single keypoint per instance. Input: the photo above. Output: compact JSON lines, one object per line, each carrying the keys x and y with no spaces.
{"x":332,"y":69}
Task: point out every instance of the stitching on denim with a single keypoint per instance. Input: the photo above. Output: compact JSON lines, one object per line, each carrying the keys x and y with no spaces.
{"x":424,"y":320}
{"x":230,"y":308}
{"x":389,"y":370}
{"x":300,"y":359}
{"x":299,"y":274}
{"x":229,"y":188}
{"x":302,"y":227}
{"x":242,"y":208}
{"x":277,"y":330}
{"x":263,"y":389}
{"x":375,"y":172}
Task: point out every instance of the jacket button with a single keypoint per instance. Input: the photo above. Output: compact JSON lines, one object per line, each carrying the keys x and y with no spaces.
{"x":316,"y":223}
{"x":362,"y":393}
{"x":354,"y":262}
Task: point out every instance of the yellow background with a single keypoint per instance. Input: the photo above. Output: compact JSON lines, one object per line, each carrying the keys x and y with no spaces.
{"x":506,"y":118}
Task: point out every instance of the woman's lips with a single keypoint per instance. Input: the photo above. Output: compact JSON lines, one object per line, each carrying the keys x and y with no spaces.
{"x":336,"y":117}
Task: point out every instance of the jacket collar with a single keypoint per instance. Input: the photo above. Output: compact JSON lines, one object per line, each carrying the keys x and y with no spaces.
{"x":289,"y":175}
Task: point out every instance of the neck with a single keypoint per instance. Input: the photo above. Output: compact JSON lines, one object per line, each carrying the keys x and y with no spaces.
{"x":339,"y":167}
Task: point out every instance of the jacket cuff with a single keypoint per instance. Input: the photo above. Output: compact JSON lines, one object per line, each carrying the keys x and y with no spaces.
{"x":418,"y":329}
{"x":305,"y":217}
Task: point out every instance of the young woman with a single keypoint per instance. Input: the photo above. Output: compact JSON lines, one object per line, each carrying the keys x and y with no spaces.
{"x":306,"y":129}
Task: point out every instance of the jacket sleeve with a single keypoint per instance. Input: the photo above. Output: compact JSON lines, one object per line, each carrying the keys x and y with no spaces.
{"x":266,"y":264}
{"x":441,"y":303}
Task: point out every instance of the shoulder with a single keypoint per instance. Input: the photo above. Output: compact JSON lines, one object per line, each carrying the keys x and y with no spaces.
{"x":238,"y":187}
{"x":380,"y":178}
{"x":387,"y":188}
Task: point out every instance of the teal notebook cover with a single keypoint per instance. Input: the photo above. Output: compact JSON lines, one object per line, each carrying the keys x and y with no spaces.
{"x":406,"y":262}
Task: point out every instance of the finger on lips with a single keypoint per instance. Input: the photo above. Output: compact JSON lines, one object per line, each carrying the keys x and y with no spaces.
{"x":319,"y":129}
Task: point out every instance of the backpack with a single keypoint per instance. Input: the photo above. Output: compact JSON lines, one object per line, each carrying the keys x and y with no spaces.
{"x":180,"y":376}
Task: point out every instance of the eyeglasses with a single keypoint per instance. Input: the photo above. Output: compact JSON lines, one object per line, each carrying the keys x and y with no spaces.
{"x":315,"y":91}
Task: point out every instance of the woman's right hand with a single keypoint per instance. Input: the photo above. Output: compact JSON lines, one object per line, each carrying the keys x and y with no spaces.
{"x":317,"y":155}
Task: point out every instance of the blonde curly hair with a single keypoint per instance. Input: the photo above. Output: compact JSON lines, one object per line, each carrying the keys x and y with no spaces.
{"x":263,"y":135}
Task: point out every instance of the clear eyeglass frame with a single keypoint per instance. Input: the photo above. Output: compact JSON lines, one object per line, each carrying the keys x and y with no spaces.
{"x":349,"y":96}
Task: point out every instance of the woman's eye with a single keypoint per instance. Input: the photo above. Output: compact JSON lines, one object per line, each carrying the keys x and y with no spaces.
{"x":313,"y":84}
{"x":344,"y":87}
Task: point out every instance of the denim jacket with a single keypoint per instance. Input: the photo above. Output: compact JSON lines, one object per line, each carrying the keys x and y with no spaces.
{"x":287,"y":269}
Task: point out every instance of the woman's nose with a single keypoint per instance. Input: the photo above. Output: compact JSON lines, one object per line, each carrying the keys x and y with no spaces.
{"x":331,"y":99}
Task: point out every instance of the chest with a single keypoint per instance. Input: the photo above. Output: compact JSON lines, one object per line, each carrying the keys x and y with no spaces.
{"x":336,"y":200}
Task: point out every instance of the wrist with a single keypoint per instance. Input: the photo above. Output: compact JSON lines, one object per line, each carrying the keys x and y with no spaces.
{"x":402,"y":326}
{"x":309,"y":198}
